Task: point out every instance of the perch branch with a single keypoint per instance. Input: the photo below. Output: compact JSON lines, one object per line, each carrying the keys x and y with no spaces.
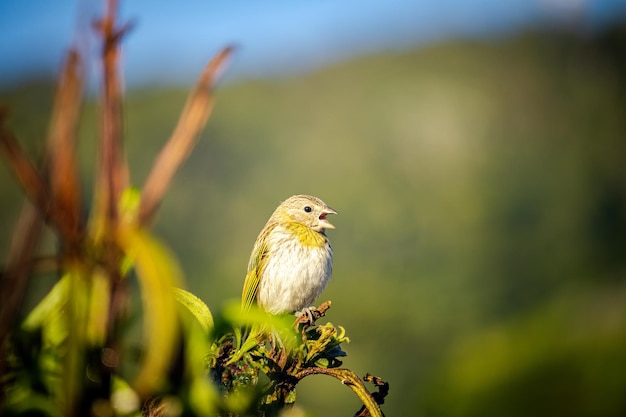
{"x":379,"y":396}
{"x":350,"y":379}
{"x":311,"y":315}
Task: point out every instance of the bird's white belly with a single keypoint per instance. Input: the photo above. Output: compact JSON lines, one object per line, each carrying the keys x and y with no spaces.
{"x":294,"y":276}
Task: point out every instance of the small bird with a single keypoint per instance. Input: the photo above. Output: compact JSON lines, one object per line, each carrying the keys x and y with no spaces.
{"x":291,"y":261}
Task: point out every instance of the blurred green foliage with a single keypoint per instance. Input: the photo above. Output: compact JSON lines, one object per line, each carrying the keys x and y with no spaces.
{"x":481,"y":188}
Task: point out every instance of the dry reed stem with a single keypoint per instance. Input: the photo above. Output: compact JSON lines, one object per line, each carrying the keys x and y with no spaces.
{"x":112,"y":177}
{"x":57,"y":202}
{"x":192,"y":120}
{"x":61,"y":153}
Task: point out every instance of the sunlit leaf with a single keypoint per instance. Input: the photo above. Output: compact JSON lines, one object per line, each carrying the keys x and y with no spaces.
{"x":158,"y":275}
{"x":239,"y":400}
{"x":128,"y":206}
{"x":203,"y":397}
{"x":49,"y":311}
{"x":77,"y":315}
{"x":99,"y":300}
{"x":196,"y":307}
{"x":197,"y":323}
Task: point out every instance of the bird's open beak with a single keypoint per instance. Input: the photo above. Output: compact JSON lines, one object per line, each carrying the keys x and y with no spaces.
{"x":324,"y":223}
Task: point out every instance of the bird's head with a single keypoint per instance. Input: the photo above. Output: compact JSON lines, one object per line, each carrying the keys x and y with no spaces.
{"x":307,"y":210}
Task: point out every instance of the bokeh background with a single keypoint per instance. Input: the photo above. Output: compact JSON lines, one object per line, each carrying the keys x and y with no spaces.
{"x":475,"y":151}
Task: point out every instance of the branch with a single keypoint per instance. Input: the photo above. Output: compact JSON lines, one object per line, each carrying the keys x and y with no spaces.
{"x":309,"y":316}
{"x":192,"y":120}
{"x":349,"y":378}
{"x":379,"y":396}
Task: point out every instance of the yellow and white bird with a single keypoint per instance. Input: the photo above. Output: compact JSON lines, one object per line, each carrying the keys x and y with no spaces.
{"x":291,"y":262}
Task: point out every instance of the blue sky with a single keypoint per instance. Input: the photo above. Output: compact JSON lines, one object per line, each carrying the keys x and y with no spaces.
{"x":173,"y":40}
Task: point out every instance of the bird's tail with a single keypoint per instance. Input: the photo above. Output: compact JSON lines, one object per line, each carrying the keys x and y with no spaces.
{"x":249,"y":335}
{"x":259,"y":327}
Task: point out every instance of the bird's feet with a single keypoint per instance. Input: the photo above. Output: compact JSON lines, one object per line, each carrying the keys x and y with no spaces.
{"x":308,"y":315}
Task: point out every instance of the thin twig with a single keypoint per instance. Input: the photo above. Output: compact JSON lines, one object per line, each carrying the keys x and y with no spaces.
{"x":193,"y":118}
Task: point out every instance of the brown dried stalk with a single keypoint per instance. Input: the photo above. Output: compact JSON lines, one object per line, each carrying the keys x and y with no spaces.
{"x":193,"y":118}
{"x":112,"y":177}
{"x":57,"y":202}
{"x":61,"y":156}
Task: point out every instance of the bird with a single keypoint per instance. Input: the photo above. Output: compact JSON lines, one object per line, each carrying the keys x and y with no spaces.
{"x":291,"y":260}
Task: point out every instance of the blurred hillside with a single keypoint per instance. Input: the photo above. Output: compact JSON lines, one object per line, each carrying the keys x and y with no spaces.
{"x":480,"y":246}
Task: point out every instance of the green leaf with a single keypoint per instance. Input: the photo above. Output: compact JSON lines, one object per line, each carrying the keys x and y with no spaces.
{"x":129,"y":205}
{"x":203,"y":397}
{"x":198,"y":324}
{"x":196,"y":307}
{"x":99,"y":303}
{"x":158,"y":275}
{"x":50,"y":308}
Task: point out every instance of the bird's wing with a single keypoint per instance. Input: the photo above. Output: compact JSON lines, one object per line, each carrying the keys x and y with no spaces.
{"x":256,"y":265}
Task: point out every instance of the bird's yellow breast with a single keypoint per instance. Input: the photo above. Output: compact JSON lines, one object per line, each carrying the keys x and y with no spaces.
{"x":306,"y":235}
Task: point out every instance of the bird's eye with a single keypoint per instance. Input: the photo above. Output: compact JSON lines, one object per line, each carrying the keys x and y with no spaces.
{"x":307,"y":209}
